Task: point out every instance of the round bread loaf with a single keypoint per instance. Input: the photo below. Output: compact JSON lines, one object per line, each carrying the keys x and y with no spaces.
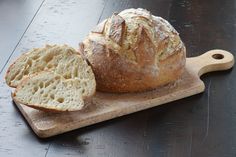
{"x":134,"y":51}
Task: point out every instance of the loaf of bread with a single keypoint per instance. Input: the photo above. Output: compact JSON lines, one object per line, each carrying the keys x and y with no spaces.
{"x":134,"y":51}
{"x":49,"y":91}
{"x":52,"y":78}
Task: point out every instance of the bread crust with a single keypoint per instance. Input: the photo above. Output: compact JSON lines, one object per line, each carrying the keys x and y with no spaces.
{"x":9,"y":69}
{"x":117,"y":29}
{"x":153,"y":64}
{"x":115,"y":74}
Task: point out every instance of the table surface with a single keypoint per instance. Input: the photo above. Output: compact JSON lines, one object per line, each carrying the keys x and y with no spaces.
{"x":202,"y":125}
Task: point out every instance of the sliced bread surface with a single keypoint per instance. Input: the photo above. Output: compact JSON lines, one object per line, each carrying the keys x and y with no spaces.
{"x":49,"y":91}
{"x":53,"y":78}
{"x":54,"y":58}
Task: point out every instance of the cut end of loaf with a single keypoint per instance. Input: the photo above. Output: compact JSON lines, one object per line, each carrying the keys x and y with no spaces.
{"x":51,"y":92}
{"x":49,"y":58}
{"x":53,"y":78}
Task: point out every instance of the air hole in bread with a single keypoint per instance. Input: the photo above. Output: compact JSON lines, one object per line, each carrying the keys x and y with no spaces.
{"x":57,"y":77}
{"x":60,"y":100}
{"x":26,"y":72}
{"x":52,"y":96}
{"x":54,"y":87}
{"x":41,"y":84}
{"x":41,"y":92}
{"x":45,"y":95}
{"x":35,"y":89}
{"x":48,"y":58}
{"x":42,"y":68}
{"x":75,"y":73}
{"x":35,"y":57}
{"x":29,"y":62}
{"x":49,"y":66}
{"x":19,"y":77}
{"x":83,"y":91}
{"x":47,"y":84}
{"x":67,"y":76}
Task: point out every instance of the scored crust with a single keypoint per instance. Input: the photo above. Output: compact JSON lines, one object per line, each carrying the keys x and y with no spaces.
{"x":146,"y":53}
{"x":119,"y":75}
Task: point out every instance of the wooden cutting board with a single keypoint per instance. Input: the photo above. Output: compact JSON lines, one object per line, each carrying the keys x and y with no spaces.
{"x":106,"y":106}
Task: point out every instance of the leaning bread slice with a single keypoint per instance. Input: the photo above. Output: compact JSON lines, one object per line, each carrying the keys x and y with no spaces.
{"x":41,"y":59}
{"x":52,"y":92}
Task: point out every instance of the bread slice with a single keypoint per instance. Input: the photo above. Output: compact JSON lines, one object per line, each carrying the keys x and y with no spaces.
{"x":51,"y":58}
{"x":49,"y":91}
{"x":52,"y":78}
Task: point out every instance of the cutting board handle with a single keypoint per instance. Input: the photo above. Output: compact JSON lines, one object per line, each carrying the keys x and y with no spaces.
{"x":213,"y":60}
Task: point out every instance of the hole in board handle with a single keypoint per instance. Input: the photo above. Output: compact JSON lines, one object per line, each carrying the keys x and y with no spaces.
{"x":218,"y":56}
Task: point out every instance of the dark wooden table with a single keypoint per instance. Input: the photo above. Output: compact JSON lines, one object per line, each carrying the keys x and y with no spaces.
{"x":199,"y":126}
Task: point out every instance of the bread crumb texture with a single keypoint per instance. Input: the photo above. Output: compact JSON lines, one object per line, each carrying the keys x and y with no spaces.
{"x":53,"y":78}
{"x":48,"y":90}
{"x":63,"y":60}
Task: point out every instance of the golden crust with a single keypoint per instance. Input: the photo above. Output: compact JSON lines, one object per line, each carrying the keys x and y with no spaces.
{"x":117,"y":29}
{"x":158,"y":54}
{"x":8,"y":82}
{"x":99,"y":28}
{"x":115,"y":74}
